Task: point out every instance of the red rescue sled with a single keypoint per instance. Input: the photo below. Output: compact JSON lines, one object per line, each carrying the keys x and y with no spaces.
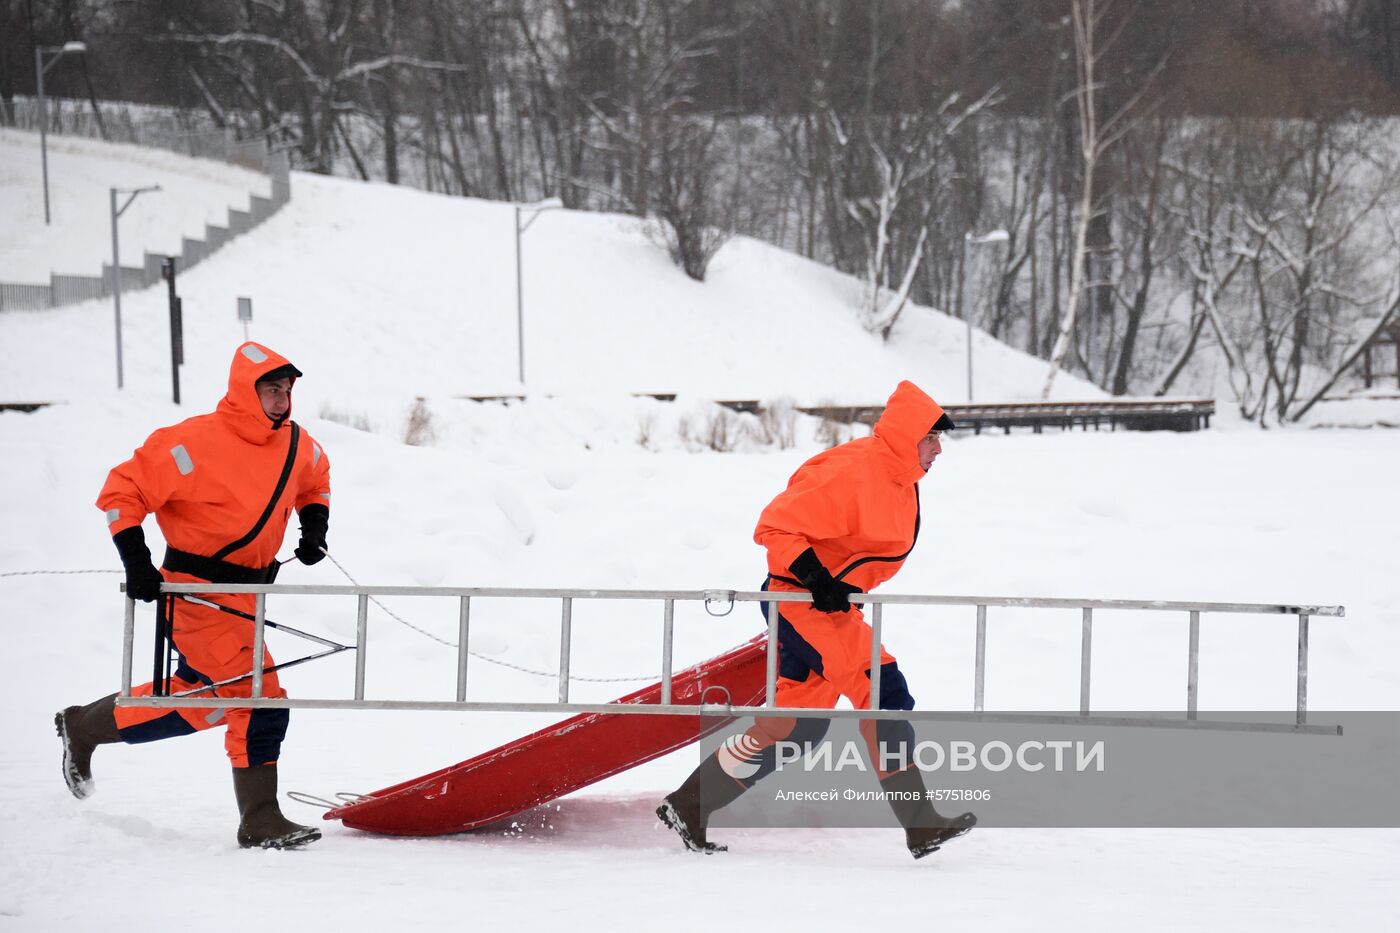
{"x":562,"y":758}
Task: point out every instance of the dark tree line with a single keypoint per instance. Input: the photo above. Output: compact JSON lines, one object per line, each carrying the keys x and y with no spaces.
{"x":1171,"y":176}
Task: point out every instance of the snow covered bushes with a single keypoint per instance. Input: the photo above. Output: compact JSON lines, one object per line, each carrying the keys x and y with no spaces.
{"x":419,"y":430}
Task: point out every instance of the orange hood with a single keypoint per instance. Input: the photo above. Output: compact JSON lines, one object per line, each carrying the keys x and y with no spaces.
{"x":908,"y":415}
{"x":240,"y":405}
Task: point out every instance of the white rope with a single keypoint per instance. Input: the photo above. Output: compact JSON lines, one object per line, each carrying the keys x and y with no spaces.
{"x":36,"y":573}
{"x":489,"y":660}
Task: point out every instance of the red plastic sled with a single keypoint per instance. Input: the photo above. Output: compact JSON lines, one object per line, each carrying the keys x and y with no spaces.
{"x":562,"y":758}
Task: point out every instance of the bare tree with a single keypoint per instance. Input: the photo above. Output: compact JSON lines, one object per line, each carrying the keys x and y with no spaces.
{"x":1284,"y":219}
{"x":1149,"y":233}
{"x":695,"y":218}
{"x":1097,"y":26}
{"x":1309,"y":269}
{"x":664,"y":153}
{"x":321,"y":54}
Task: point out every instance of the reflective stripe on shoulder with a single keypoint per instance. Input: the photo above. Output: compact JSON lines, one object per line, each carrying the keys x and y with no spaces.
{"x":183,"y":461}
{"x":251,"y":351}
{"x":315,"y":454}
{"x":113,"y":515}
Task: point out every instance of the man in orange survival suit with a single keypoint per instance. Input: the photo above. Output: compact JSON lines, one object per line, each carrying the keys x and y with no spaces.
{"x":222,"y":487}
{"x":846,"y":522}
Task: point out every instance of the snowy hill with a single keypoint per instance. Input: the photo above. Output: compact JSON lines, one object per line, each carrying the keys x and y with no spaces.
{"x":382,"y":295}
{"x":420,"y":290}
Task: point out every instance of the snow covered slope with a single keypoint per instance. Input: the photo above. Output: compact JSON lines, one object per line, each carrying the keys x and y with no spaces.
{"x":378,"y":289}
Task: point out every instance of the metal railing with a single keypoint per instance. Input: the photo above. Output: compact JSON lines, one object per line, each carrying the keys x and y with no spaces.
{"x":725,"y":599}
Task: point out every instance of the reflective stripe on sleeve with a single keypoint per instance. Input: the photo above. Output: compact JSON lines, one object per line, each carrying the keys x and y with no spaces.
{"x":315,"y":454}
{"x":113,"y":515}
{"x":183,"y":461}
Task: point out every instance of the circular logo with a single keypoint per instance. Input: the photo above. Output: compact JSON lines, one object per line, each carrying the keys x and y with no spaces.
{"x":740,"y":755}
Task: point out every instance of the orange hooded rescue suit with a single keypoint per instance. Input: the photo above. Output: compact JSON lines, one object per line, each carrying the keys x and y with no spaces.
{"x":222,"y":487}
{"x":857,"y":507}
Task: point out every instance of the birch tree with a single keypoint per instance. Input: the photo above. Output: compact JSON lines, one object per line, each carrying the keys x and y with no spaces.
{"x":1096,"y":26}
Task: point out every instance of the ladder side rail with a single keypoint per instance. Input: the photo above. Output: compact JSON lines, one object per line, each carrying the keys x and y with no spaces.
{"x":1014,"y":602}
{"x":727,"y":711}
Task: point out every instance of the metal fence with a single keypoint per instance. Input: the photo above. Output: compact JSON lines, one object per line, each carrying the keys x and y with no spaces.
{"x":713,"y":599}
{"x":187,"y":132}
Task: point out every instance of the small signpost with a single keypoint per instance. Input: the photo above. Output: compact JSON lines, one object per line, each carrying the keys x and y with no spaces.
{"x":177,"y":325}
{"x":245,"y":314}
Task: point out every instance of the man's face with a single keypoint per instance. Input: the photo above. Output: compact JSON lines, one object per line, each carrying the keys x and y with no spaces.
{"x":929,"y":448}
{"x":276,"y":396}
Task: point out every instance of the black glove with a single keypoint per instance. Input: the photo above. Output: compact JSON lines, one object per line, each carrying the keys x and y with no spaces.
{"x":315,"y":519}
{"x":828,"y":594}
{"x":143,"y":580}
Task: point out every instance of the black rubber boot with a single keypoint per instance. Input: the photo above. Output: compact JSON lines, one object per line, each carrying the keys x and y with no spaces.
{"x":687,"y":809}
{"x":261,"y":823}
{"x":82,"y":729}
{"x":925,"y":830}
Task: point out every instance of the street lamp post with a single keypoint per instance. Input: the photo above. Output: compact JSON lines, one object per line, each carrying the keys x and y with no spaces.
{"x":117,"y":265}
{"x":40,"y":69}
{"x":534,"y":210}
{"x":992,"y":236}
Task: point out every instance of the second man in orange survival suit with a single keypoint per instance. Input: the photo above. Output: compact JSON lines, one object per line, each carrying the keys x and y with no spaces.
{"x":845,"y":524}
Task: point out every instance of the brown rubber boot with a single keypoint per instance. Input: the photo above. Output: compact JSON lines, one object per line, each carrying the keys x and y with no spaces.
{"x":261,"y":823}
{"x":687,"y":809}
{"x":925,"y":830}
{"x":82,"y":729}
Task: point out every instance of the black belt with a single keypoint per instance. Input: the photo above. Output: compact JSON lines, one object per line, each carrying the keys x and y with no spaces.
{"x":215,"y":570}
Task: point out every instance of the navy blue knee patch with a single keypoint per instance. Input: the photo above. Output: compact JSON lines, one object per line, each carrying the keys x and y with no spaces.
{"x":894,"y":694}
{"x":266,"y":730}
{"x":894,"y":689}
{"x":169,"y":726}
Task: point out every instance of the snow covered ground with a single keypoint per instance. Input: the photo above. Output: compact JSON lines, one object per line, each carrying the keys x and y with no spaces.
{"x":382,"y":296}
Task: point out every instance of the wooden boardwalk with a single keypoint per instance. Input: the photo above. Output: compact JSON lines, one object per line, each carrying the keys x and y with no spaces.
{"x":1129,"y":415}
